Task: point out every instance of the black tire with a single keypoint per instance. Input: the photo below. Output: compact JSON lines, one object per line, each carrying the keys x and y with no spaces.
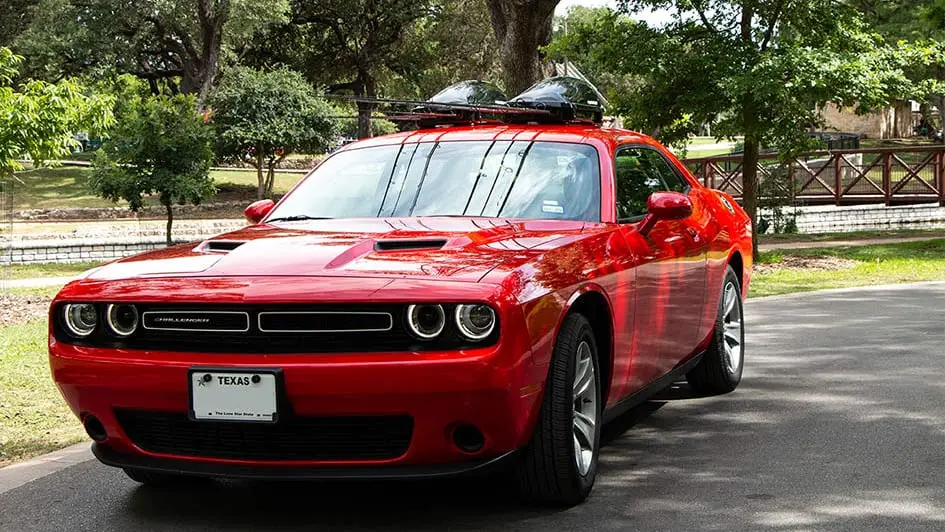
{"x":714,"y":374}
{"x":548,"y":472}
{"x":153,"y":478}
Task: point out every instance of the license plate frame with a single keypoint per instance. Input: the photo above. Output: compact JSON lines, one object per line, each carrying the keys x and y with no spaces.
{"x":275,"y":376}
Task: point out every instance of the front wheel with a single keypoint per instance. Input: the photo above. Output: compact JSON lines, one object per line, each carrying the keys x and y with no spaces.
{"x":560,"y":463}
{"x":720,"y":369}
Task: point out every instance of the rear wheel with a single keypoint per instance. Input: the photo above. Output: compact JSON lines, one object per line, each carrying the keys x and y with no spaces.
{"x":720,"y":369}
{"x":560,"y":463}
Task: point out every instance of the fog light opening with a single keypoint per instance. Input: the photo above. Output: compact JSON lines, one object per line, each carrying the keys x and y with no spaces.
{"x":468,"y":439}
{"x":95,"y":429}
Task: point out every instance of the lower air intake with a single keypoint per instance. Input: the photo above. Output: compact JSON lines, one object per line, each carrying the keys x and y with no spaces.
{"x":301,"y":438}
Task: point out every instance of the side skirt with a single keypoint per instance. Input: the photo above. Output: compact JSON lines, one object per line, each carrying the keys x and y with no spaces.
{"x":650,"y":389}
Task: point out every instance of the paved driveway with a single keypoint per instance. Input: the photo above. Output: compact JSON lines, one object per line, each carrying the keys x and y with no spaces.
{"x":839,"y":424}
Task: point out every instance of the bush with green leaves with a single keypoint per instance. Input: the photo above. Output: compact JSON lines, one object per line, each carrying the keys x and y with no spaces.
{"x":38,"y":119}
{"x":262,"y":117}
{"x":161,"y":147}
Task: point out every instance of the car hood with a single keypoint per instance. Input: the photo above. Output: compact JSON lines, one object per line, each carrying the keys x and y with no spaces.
{"x":459,"y":249}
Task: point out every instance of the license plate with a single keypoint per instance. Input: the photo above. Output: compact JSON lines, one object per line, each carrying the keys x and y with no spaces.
{"x":224,"y":395}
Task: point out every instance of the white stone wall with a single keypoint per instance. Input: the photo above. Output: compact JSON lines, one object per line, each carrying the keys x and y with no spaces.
{"x":833,"y":219}
{"x":819,"y":219}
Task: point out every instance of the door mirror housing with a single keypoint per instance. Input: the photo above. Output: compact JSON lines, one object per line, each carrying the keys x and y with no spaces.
{"x":258,"y":210}
{"x":665,"y":206}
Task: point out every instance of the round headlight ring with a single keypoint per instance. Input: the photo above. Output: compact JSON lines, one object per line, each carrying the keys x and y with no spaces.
{"x":475,"y":321}
{"x":80,"y":319}
{"x":433,"y":315}
{"x":122,"y":319}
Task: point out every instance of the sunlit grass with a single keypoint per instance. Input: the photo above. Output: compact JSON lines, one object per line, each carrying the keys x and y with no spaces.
{"x":877,"y":264}
{"x":34,"y":419}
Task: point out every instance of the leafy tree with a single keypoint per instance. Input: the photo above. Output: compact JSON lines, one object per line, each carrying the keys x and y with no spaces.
{"x":162,"y":147}
{"x":750,"y":67}
{"x":522,"y":27}
{"x":343,"y":44}
{"x":38,"y":119}
{"x":454,"y":43}
{"x":263,"y":117}
{"x":178,"y":43}
{"x":16,"y":17}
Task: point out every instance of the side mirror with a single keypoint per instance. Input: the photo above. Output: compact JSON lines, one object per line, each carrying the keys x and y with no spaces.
{"x":665,"y":206}
{"x":258,"y":210}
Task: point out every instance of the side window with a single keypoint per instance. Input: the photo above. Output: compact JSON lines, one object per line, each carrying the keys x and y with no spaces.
{"x":640,"y":172}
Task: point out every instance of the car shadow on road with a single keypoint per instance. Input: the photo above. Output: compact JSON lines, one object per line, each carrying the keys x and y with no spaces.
{"x":403,"y":505}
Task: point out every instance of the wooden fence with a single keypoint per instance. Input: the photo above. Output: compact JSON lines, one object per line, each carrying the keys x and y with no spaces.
{"x":882,"y":175}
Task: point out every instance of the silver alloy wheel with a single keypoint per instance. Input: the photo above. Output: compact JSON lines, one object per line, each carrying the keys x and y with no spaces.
{"x":732,"y":324}
{"x":585,"y":408}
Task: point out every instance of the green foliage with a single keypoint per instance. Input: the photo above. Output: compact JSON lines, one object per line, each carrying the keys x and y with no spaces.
{"x":38,"y":119}
{"x":263,"y":117}
{"x":161,"y":147}
{"x":174,"y":44}
{"x":694,"y":71}
{"x":454,"y":42}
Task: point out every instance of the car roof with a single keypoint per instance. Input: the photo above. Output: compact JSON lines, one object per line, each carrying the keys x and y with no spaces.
{"x":576,"y":133}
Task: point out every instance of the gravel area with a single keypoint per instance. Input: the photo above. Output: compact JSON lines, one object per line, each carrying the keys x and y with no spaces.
{"x":798,"y":263}
{"x":16,"y":309}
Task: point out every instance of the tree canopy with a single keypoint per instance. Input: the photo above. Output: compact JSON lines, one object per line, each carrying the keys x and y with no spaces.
{"x":263,"y":117}
{"x":175,"y":42}
{"x":161,"y":146}
{"x":38,"y":119}
{"x":758,"y":69}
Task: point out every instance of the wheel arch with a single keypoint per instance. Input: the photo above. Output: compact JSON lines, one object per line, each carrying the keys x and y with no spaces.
{"x":592,"y":302}
{"x":737,"y":263}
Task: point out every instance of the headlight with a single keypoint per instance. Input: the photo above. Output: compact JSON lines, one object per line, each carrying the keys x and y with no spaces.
{"x":122,"y":319}
{"x":475,"y":321}
{"x":80,"y":318}
{"x":426,"y":321}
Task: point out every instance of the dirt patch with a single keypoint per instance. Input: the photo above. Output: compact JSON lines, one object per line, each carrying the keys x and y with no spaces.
{"x":799,"y":263}
{"x":16,"y":309}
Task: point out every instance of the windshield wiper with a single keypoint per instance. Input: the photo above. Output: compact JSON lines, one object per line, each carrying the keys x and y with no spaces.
{"x":297,"y":218}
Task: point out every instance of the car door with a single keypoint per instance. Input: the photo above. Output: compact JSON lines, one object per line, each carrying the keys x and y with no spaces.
{"x":670,"y":277}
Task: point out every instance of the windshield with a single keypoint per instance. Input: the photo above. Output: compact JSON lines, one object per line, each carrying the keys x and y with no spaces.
{"x":514,"y":179}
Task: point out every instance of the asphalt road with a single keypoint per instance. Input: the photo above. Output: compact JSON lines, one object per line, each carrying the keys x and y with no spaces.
{"x":839,"y":424}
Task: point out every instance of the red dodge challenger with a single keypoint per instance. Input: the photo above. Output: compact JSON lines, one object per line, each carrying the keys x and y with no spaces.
{"x":428,"y":303}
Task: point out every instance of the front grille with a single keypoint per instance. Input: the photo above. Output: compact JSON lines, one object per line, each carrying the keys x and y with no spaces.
{"x":297,"y":438}
{"x":271,"y":329}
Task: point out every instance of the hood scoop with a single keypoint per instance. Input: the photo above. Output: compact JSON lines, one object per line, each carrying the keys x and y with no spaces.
{"x":408,"y":244}
{"x":219,"y":246}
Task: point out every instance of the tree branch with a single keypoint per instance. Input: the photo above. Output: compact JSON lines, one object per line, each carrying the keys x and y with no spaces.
{"x":702,"y":16}
{"x":774,"y":22}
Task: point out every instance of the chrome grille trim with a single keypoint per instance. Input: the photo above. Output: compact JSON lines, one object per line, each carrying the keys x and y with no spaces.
{"x":198,"y":314}
{"x":259,"y":318}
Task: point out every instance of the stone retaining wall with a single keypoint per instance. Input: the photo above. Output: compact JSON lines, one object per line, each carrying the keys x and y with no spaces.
{"x":845,"y":219}
{"x":103,"y":247}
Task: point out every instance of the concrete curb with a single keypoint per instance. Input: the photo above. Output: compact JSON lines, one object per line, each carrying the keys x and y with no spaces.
{"x":830,"y":291}
{"x":20,"y":473}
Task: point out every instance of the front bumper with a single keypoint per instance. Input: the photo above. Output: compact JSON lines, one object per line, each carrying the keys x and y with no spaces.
{"x":495,"y":389}
{"x":251,"y":472}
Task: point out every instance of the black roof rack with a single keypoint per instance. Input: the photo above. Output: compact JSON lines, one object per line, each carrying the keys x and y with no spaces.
{"x":554,"y":100}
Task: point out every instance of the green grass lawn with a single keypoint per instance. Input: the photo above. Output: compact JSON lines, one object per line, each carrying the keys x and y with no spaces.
{"x":854,"y":235}
{"x":34,"y":419}
{"x":33,"y":271}
{"x":876,"y":265}
{"x":64,"y":187}
{"x":282,"y":183}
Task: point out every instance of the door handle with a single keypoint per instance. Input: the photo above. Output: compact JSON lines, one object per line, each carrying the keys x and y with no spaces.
{"x":693,"y":233}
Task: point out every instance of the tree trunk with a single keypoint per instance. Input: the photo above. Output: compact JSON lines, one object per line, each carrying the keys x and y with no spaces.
{"x":750,"y":187}
{"x":260,"y":178}
{"x":170,"y":222}
{"x":521,"y":27}
{"x":367,"y":86}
